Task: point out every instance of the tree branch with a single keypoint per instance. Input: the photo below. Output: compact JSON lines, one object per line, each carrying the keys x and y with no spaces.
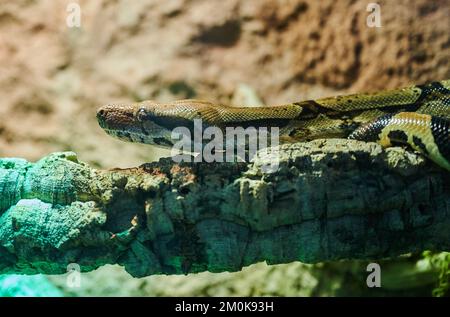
{"x":328,"y":200}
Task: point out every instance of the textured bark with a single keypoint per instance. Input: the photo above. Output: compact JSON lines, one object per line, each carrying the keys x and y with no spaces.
{"x":328,"y":200}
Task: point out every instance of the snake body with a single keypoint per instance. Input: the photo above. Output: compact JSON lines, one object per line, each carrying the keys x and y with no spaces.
{"x":418,"y":116}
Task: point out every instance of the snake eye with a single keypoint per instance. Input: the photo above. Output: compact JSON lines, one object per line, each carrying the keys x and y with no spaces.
{"x":141,"y":114}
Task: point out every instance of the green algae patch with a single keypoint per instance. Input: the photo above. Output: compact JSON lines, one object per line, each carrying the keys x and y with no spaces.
{"x":44,"y":225}
{"x":12,"y":177}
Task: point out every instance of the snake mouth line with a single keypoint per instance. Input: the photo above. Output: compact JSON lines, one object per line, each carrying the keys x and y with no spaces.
{"x":131,"y":136}
{"x":127,"y":135}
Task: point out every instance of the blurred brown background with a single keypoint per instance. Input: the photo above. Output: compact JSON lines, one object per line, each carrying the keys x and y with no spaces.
{"x":52,"y":79}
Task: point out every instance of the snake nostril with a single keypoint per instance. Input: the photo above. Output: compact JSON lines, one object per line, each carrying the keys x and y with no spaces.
{"x":101,"y":113}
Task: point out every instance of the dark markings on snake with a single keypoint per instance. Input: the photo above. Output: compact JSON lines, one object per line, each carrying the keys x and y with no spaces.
{"x":269,"y":123}
{"x":429,"y":90}
{"x":162,"y":142}
{"x":418,"y":142}
{"x":398,"y":136}
{"x":440,"y":129}
{"x":371,"y":132}
{"x":171,"y":123}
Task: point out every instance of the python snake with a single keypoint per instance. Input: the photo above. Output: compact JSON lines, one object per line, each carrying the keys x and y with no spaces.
{"x":418,"y":116}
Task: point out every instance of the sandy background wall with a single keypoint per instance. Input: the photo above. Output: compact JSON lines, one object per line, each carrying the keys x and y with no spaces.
{"x":52,"y":78}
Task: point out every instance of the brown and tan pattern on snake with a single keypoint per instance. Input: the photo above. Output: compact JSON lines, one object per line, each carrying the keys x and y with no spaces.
{"x":418,"y":116}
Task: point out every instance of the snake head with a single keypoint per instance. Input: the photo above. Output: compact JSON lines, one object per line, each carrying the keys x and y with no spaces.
{"x":133,"y":123}
{"x":147,"y":122}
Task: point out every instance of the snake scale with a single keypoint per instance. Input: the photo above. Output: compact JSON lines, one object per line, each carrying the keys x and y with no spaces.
{"x":417,"y":116}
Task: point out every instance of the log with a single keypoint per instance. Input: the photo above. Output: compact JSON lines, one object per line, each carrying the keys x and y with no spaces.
{"x":327,"y":200}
